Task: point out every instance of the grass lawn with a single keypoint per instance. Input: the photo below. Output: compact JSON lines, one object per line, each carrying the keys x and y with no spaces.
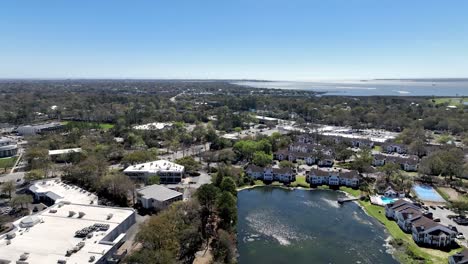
{"x":7,"y":162}
{"x":103,"y":126}
{"x":378,"y":148}
{"x":300,"y":182}
{"x":353,"y":192}
{"x":259,"y":183}
{"x":450,"y":100}
{"x":429,"y":255}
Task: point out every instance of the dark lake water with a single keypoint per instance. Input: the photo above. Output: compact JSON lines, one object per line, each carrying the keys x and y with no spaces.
{"x":373,"y":87}
{"x":283,"y":226}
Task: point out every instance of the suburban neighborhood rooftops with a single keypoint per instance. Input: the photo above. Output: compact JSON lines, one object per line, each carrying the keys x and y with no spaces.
{"x":318,"y":172}
{"x":155,"y":167}
{"x":51,"y":233}
{"x":158,"y":193}
{"x":61,"y":192}
{"x":425,"y":223}
{"x":64,"y":151}
{"x":349,"y":174}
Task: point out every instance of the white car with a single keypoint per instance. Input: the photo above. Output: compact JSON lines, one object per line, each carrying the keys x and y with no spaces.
{"x":460,"y":236}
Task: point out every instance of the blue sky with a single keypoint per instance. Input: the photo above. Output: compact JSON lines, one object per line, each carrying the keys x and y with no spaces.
{"x":257,"y":39}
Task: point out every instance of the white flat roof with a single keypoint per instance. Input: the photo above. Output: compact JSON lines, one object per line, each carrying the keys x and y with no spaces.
{"x":63,"y":151}
{"x":152,"y":126}
{"x":61,"y":191}
{"x":48,"y":241}
{"x":155,"y":167}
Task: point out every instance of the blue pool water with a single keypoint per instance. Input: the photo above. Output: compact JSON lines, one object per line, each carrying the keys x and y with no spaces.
{"x":427,"y":193}
{"x":387,"y":200}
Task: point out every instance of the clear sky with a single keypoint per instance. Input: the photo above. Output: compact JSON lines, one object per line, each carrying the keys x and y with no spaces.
{"x":257,"y":39}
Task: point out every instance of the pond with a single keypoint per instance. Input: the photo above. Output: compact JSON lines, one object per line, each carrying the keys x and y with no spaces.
{"x":300,"y":226}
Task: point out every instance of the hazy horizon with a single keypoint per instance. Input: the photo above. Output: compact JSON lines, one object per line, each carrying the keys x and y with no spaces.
{"x":268,"y":40}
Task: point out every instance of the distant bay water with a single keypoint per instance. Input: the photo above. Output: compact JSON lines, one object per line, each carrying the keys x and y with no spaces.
{"x":440,"y":87}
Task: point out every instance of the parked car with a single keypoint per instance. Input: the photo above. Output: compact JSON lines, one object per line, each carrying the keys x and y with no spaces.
{"x":437,"y":220}
{"x":432,"y":207}
{"x":460,"y":236}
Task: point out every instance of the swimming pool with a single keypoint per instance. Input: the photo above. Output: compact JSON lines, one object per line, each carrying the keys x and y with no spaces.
{"x":427,"y":193}
{"x":387,"y":200}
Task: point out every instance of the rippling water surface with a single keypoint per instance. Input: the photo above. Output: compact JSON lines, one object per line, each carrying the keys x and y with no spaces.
{"x":283,"y":226}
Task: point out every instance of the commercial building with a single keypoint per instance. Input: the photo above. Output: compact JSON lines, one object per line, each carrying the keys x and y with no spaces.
{"x":167,"y":171}
{"x":153,"y":126}
{"x":157,"y":196}
{"x":8,"y":147}
{"x":55,"y":191}
{"x":67,"y":233}
{"x":30,"y":130}
{"x":56,"y":152}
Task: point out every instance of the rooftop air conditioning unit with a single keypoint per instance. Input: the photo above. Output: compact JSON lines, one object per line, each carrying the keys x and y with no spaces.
{"x":71,"y":213}
{"x":81,"y":214}
{"x":109,"y":216}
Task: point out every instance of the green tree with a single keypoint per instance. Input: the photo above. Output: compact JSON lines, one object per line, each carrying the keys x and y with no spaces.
{"x":286,"y":164}
{"x":228,"y":185}
{"x":362,"y":160}
{"x":190,"y":164}
{"x":389,"y":170}
{"x":262,"y":159}
{"x":153,"y":180}
{"x":227,"y":210}
{"x":8,"y":187}
{"x":21,"y":200}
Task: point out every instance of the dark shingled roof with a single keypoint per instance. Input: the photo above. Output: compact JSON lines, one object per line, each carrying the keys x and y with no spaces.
{"x":317,"y":172}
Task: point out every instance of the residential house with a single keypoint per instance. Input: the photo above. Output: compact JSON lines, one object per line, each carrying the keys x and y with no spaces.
{"x":406,"y":163}
{"x":394,"y":147}
{"x":405,"y":217}
{"x":255,"y":172}
{"x":390,"y":193}
{"x":281,"y":154}
{"x":398,"y":205}
{"x":426,"y":231}
{"x":378,"y":160}
{"x":349,"y":178}
{"x":325,"y":161}
{"x":333,"y":178}
{"x":362,"y":143}
{"x":317,"y":177}
{"x":270,"y":174}
{"x":410,"y":163}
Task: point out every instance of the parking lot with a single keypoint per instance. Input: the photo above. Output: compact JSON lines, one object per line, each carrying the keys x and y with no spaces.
{"x":442,"y":215}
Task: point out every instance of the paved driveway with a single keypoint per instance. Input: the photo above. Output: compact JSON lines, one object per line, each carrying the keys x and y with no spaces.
{"x":442,"y":215}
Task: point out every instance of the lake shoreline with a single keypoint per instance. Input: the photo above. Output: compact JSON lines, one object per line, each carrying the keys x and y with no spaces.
{"x":386,"y":247}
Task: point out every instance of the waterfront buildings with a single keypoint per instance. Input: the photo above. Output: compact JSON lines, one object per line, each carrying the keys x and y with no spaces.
{"x":157,"y":197}
{"x":269,"y":173}
{"x":424,"y":230}
{"x":333,"y":177}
